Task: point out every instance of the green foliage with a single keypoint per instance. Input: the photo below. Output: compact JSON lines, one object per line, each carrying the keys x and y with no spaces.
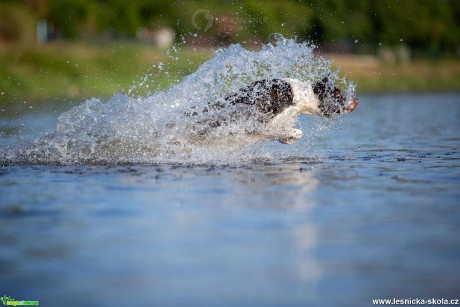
{"x":342,"y":19}
{"x":422,"y":24}
{"x":68,"y":15}
{"x":77,"y":70}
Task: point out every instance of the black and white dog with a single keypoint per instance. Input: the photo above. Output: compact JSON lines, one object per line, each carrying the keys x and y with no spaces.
{"x":277,"y":103}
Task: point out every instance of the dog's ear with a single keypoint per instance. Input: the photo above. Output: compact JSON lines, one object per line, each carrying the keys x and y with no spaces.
{"x":319,"y":89}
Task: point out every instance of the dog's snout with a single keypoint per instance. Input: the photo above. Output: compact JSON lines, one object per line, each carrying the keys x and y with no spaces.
{"x":353,"y":105}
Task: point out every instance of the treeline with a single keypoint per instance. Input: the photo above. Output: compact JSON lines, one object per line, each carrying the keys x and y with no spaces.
{"x":431,"y":25}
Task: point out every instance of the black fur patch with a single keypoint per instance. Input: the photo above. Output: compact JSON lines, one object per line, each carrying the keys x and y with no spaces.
{"x":269,"y":96}
{"x":331,"y":98}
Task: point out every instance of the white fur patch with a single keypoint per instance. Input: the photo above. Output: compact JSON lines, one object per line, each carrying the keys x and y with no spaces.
{"x":281,"y":127}
{"x":304,"y":98}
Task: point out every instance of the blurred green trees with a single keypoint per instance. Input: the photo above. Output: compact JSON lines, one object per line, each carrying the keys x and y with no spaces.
{"x":421,"y":24}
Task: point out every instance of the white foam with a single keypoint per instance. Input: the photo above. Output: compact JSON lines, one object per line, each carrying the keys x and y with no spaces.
{"x":154,"y":129}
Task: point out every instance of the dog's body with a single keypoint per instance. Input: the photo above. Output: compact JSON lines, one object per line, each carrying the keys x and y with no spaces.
{"x":277,"y":103}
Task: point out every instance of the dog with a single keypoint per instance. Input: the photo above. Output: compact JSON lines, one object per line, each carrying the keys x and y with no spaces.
{"x":276,"y":103}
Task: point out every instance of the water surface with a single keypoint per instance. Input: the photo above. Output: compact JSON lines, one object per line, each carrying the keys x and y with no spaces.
{"x":366,"y":207}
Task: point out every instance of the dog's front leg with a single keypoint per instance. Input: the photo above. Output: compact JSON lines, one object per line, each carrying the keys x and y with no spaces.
{"x":280,"y":127}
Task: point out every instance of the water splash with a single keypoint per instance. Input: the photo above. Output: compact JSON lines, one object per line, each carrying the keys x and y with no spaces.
{"x":154,"y":129}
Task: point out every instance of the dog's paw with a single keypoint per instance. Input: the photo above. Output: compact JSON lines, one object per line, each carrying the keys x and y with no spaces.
{"x":288,"y":141}
{"x":294,"y":135}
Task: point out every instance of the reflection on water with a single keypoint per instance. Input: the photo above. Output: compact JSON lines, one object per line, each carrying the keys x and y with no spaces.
{"x":365,"y":209}
{"x":160,"y":234}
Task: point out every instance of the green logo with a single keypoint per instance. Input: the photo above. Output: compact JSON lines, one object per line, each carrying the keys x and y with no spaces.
{"x":5,"y":299}
{"x":9,"y":301}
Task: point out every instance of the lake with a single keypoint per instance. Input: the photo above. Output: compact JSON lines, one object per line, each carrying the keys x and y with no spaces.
{"x":365,"y":207}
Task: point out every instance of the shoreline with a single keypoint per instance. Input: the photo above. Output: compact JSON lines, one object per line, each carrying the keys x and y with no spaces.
{"x":80,"y":70}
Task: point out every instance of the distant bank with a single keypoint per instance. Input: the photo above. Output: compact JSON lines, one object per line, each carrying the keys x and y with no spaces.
{"x":80,"y":70}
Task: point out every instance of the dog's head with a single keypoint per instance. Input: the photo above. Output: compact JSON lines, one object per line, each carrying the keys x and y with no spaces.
{"x":331,"y":99}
